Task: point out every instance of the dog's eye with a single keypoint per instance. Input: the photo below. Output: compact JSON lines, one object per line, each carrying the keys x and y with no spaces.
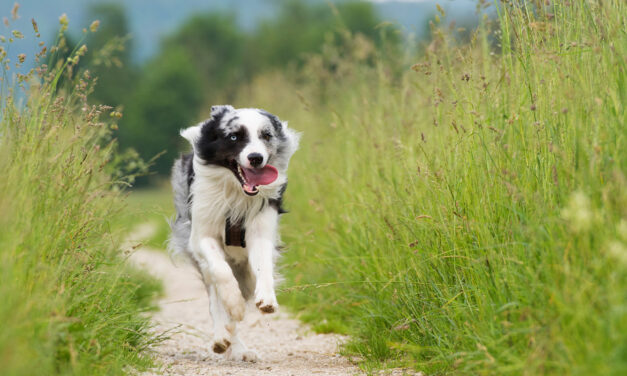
{"x":233,"y":137}
{"x":266,"y":136}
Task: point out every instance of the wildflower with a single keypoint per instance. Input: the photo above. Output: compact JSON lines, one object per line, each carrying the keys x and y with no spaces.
{"x":94,"y":26}
{"x":578,"y":212}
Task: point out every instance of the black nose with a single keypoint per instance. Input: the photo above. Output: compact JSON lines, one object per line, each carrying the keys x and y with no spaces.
{"x":255,"y":159}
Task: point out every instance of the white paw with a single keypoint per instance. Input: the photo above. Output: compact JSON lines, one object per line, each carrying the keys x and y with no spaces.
{"x":242,"y":354}
{"x":266,"y":303}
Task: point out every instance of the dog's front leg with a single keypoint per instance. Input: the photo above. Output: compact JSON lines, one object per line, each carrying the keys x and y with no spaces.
{"x":261,"y":238}
{"x":217,"y":273}
{"x":223,"y":327}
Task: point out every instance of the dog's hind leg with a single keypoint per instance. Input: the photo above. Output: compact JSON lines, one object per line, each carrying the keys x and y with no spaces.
{"x":239,"y":352}
{"x":245,"y":277}
{"x":225,"y":336}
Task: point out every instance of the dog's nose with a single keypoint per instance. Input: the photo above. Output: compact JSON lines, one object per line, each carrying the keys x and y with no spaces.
{"x":255,"y":159}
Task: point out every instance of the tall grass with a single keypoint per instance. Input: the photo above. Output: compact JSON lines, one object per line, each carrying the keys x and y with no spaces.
{"x":68,"y":303}
{"x":467,"y":216}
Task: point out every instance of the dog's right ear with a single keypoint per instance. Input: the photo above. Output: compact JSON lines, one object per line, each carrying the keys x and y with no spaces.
{"x":192,"y":134}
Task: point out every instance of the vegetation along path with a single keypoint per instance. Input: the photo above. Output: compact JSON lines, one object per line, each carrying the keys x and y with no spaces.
{"x":285,"y":346}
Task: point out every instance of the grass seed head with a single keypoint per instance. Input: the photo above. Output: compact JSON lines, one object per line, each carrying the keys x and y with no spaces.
{"x":94,"y":26}
{"x":14,"y":14}
{"x":35,"y":27}
{"x":64,"y":22}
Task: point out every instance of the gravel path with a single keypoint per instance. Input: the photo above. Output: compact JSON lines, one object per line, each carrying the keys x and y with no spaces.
{"x":286,"y":346}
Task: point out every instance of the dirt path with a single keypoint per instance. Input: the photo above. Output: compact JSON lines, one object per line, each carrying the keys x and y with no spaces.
{"x":286,"y":346}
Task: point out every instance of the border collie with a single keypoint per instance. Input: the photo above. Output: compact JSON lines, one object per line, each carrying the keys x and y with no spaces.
{"x":228,"y":195}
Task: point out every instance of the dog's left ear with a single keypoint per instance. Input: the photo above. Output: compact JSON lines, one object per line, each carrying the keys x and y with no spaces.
{"x":218,"y":111}
{"x":293,"y":138}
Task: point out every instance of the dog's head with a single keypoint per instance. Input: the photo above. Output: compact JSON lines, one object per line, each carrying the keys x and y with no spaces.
{"x":253,"y":144}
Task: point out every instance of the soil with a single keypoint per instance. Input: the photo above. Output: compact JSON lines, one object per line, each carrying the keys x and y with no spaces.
{"x":284,"y":344}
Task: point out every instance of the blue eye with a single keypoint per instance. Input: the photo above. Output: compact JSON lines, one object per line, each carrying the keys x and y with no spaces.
{"x":233,"y":138}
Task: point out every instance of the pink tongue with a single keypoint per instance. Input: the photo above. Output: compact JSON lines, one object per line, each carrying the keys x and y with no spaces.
{"x":260,"y":176}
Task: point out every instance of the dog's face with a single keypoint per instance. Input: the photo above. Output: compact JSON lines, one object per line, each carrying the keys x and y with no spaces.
{"x":253,"y":144}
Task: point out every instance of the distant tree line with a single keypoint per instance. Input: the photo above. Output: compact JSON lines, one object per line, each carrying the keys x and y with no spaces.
{"x":206,"y":59}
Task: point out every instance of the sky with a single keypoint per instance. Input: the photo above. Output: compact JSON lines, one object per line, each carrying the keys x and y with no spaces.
{"x":150,"y":20}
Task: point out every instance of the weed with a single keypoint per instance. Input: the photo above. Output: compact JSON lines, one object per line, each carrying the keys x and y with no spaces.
{"x":69,"y":303}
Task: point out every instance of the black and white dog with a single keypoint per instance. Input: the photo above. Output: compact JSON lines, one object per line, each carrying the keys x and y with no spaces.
{"x":228,"y":196}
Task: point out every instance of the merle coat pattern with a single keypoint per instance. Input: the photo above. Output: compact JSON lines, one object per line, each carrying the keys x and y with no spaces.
{"x":215,"y":187}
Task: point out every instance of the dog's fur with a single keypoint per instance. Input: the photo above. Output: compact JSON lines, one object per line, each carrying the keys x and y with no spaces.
{"x":208,"y":192}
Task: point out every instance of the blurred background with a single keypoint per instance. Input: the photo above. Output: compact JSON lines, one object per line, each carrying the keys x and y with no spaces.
{"x":164,"y":63}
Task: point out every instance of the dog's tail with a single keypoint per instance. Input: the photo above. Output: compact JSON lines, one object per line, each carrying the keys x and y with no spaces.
{"x":181,"y":226}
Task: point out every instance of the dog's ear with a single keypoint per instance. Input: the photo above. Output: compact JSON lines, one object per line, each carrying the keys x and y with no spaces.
{"x":293,"y":138}
{"x":192,"y":134}
{"x":219,"y":110}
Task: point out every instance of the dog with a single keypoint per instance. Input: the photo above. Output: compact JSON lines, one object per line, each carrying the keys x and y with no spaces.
{"x":228,"y":195}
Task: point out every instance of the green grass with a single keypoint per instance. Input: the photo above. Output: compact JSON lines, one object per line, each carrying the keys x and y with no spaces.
{"x":69,"y":303}
{"x":467,"y":216}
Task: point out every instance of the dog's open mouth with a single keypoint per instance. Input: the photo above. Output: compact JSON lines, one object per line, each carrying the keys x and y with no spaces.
{"x":252,"y":178}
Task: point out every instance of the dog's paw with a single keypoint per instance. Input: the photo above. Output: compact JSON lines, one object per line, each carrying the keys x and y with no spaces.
{"x":221,"y":345}
{"x":243,"y":355}
{"x":267,"y":305}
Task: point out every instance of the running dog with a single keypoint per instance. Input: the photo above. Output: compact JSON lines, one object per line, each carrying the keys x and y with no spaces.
{"x":228,"y":195}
